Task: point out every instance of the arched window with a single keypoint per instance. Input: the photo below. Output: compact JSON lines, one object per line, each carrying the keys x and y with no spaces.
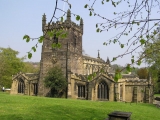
{"x":103,"y":92}
{"x":21,"y":86}
{"x":81,"y":91}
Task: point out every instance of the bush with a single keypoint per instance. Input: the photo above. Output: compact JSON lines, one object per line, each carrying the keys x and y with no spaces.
{"x":56,"y":81}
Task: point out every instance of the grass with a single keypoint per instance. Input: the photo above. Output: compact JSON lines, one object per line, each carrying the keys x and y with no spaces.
{"x":156,"y":95}
{"x":20,"y":107}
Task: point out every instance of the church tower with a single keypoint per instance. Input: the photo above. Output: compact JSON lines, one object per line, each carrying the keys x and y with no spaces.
{"x":68,"y":57}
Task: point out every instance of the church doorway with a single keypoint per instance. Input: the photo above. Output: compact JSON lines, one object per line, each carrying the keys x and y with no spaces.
{"x":21,"y":86}
{"x":103,"y":91}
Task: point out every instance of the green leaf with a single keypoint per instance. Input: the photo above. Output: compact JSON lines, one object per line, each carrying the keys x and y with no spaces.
{"x":54,"y":45}
{"x":128,"y":68}
{"x":28,"y":39}
{"x":29,"y":55}
{"x":117,"y":76}
{"x":96,"y":25}
{"x":142,"y":41}
{"x":78,"y":17}
{"x":147,"y":36}
{"x":104,"y":43}
{"x":25,"y":37}
{"x":113,"y":3}
{"x":155,"y":24}
{"x":107,"y":0}
{"x":90,"y":13}
{"x":64,"y":35}
{"x":114,"y":41}
{"x":69,"y":5}
{"x":98,"y":30}
{"x":132,"y":60}
{"x":102,"y":2}
{"x":139,"y":62}
{"x":133,"y":22}
{"x":89,"y":77}
{"x":155,"y":32}
{"x":114,"y":59}
{"x":86,"y":6}
{"x":50,"y":33}
{"x":58,"y":45}
{"x":62,"y":19}
{"x":122,"y":45}
{"x":41,"y":39}
{"x":34,"y":49}
{"x":94,"y":74}
{"x":58,"y":33}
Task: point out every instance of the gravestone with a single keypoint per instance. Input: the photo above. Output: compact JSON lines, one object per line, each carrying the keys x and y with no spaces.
{"x":119,"y":115}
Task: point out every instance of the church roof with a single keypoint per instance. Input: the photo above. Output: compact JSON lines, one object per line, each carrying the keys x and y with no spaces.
{"x":28,"y":76}
{"x":94,"y":59}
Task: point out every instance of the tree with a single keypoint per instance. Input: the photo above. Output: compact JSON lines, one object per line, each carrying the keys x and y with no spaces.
{"x":137,"y":24}
{"x":137,"y":16}
{"x":30,"y":68}
{"x":10,"y":64}
{"x":153,"y":60}
{"x":155,"y":74}
{"x":142,"y":73}
{"x":56,"y":81}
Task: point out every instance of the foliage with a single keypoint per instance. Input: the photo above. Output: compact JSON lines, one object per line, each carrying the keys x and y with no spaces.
{"x":30,"y":67}
{"x":18,"y":107}
{"x":142,"y":73}
{"x":48,"y":35}
{"x":118,"y":74}
{"x":10,"y":64}
{"x":153,"y":60}
{"x":138,"y":16}
{"x":56,"y":81}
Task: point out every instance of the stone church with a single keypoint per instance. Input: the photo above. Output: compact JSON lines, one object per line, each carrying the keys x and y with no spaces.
{"x":77,"y":67}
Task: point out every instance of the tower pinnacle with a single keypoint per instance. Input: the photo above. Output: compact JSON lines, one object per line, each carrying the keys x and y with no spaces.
{"x":69,"y":15}
{"x":43,"y":21}
{"x":81,"y":25}
{"x":98,"y":54}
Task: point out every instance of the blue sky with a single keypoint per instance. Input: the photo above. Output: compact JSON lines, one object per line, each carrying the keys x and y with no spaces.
{"x":20,"y":17}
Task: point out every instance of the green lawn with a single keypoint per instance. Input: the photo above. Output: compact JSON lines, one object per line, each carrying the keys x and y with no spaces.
{"x":20,"y":107}
{"x":156,"y":95}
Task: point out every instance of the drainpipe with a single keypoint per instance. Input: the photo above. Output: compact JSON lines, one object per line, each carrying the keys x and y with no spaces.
{"x":87,"y":85}
{"x":29,"y":87}
{"x":67,"y":71}
{"x":114,"y":92}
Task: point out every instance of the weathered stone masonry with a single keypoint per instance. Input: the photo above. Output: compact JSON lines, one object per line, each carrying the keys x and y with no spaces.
{"x":76,"y":68}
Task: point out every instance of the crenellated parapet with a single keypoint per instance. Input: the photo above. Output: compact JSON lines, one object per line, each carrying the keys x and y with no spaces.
{"x":67,"y":24}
